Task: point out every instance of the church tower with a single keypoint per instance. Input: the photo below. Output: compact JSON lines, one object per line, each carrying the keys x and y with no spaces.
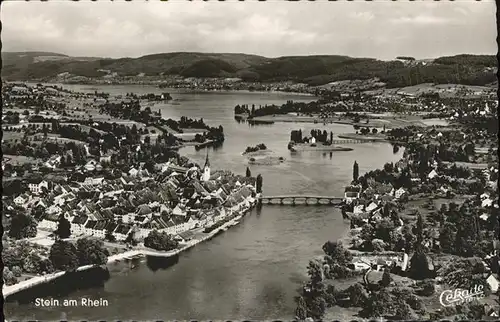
{"x":206,"y":169}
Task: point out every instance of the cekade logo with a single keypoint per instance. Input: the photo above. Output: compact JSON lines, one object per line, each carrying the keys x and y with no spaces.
{"x":460,"y":296}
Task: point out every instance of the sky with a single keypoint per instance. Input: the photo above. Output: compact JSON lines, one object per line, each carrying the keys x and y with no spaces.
{"x":378,"y":29}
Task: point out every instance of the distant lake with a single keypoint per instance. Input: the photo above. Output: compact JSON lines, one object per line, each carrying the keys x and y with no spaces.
{"x":253,"y":270}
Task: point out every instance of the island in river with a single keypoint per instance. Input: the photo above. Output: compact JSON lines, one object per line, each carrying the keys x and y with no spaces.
{"x":263,"y":157}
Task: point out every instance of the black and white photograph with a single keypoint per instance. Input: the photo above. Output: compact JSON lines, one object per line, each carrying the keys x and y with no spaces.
{"x":250,"y":160}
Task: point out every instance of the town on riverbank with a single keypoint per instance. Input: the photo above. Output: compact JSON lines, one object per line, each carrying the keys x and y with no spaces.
{"x":91,"y":179}
{"x":423,"y":228}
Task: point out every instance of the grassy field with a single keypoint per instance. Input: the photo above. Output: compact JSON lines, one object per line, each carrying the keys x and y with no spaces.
{"x":12,"y":135}
{"x":473,"y":166}
{"x":193,"y":131}
{"x":20,"y":159}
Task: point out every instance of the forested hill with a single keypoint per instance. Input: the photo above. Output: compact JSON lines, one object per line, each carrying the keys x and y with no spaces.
{"x":313,"y":70}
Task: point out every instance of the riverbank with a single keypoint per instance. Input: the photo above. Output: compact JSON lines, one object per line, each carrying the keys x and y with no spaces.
{"x":361,"y":137}
{"x":134,"y":253}
{"x":382,"y":121}
{"x":321,"y":148}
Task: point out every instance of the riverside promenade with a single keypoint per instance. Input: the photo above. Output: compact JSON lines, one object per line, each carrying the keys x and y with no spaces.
{"x":24,"y":285}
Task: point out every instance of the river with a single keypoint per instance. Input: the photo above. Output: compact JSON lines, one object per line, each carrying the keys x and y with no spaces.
{"x":253,"y":270}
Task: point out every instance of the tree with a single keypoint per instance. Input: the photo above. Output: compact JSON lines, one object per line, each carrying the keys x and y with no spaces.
{"x":378,"y":304}
{"x":337,"y":253}
{"x":331,"y":295}
{"x":259,"y":184}
{"x":314,"y":291}
{"x":34,"y":264}
{"x":22,"y":226}
{"x":419,"y":265}
{"x":301,"y":310}
{"x":63,"y":256}
{"x":357,"y":295}
{"x":8,"y":276}
{"x":447,"y":238}
{"x":160,"y":241}
{"x":355,"y":171}
{"x":16,"y":270}
{"x":130,"y":238}
{"x":91,"y":251}
{"x":248,"y":173}
{"x":63,"y":228}
{"x":428,"y":288}
{"x":402,"y":311}
{"x":419,"y":230}
{"x":109,"y":236}
{"x":386,"y":278}
{"x":317,"y":307}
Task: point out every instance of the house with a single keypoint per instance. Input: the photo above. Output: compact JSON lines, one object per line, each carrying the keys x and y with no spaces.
{"x":89,"y":181}
{"x":443,"y":189}
{"x":133,"y":172}
{"x":377,"y":215}
{"x":41,"y":203}
{"x":78,"y":225}
{"x":352,"y":193}
{"x":53,"y":162}
{"x":90,"y":166}
{"x":484,"y":216}
{"x":49,"y":222}
{"x":493,"y":283}
{"x":122,"y":231}
{"x":105,"y":159}
{"x":178,"y":211}
{"x":359,"y":209}
{"x":372,"y":206}
{"x":19,"y":90}
{"x":143,"y":210}
{"x":100,"y":229}
{"x":399,"y":193}
{"x":359,"y":266}
{"x":486,"y":203}
{"x":88,"y":229}
{"x":432,"y":174}
{"x":21,"y":199}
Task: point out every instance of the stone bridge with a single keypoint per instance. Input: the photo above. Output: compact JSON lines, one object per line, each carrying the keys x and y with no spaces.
{"x":301,"y":200}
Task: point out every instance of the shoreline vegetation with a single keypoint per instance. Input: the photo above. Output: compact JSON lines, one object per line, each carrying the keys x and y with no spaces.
{"x":318,"y":141}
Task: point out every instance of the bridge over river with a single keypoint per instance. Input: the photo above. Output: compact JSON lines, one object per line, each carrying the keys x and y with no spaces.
{"x":301,"y":200}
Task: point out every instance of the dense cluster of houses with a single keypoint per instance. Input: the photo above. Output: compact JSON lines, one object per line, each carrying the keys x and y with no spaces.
{"x":170,"y":201}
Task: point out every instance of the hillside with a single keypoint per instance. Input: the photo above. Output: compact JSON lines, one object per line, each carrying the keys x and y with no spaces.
{"x":312,"y":70}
